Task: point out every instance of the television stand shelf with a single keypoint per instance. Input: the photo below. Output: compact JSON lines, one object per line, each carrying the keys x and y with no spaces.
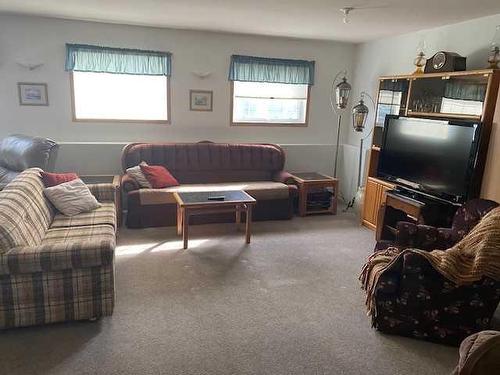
{"x":398,"y":207}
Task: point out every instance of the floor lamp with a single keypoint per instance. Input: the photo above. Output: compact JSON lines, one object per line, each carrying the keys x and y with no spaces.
{"x":339,"y":96}
{"x":359,"y":116}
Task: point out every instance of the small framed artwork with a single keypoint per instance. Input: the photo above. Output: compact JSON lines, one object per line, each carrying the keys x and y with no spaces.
{"x":32,"y":93}
{"x":200,"y":100}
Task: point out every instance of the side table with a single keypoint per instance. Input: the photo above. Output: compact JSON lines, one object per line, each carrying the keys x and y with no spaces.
{"x":317,"y":193}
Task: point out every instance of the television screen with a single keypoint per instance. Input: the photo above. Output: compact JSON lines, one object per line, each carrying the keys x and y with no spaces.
{"x":433,"y":156}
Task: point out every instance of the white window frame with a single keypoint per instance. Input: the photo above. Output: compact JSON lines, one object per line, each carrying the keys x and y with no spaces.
{"x":168,"y":121}
{"x":270,"y":124}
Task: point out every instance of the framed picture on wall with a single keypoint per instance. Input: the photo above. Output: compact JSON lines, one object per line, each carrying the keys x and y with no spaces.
{"x":32,"y":93}
{"x":200,"y":100}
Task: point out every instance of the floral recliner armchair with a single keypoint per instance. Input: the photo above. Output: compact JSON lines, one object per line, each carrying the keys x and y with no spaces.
{"x":413,"y":299}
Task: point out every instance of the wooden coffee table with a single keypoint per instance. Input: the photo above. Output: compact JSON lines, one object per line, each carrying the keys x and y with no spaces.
{"x":199,"y":203}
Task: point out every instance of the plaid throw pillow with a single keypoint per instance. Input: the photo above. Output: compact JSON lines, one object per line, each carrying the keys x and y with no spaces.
{"x":137,"y":174}
{"x":72,"y":198}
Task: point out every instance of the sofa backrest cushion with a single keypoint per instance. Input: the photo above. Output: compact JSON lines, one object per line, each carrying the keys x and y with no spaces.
{"x":207,"y":162}
{"x":25,"y":213}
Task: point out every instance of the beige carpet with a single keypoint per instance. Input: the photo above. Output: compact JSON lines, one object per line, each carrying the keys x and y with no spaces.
{"x":289,"y":303}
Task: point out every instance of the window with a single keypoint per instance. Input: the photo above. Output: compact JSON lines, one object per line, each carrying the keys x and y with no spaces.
{"x":271,"y":103}
{"x":116,"y":84}
{"x":269,"y":91}
{"x":107,"y":96}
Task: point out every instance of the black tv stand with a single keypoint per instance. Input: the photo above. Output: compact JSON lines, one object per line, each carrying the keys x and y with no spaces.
{"x":402,"y":204}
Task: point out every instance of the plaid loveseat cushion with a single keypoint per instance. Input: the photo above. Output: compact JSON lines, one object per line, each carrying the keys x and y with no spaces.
{"x":63,"y":248}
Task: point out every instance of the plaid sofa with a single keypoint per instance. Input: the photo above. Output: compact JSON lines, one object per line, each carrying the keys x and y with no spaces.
{"x":54,"y":268}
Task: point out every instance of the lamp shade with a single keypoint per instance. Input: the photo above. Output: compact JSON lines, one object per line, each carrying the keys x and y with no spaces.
{"x":359,"y":115}
{"x":342,"y":91}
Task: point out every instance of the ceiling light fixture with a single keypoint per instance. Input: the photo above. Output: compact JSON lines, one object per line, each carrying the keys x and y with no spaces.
{"x":346,"y":11}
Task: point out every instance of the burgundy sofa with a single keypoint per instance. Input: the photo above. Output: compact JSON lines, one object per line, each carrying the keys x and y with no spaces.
{"x":255,"y":168}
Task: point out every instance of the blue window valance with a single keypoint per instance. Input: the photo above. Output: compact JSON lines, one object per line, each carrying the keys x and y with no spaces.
{"x":263,"y":69}
{"x":97,"y":59}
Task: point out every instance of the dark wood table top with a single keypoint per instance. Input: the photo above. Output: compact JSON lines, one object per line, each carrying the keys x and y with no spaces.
{"x":201,"y":197}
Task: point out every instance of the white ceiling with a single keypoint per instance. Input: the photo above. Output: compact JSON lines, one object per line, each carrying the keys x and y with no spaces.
{"x":317,"y":19}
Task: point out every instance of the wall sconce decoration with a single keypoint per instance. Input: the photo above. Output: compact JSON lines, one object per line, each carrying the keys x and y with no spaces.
{"x":201,"y":75}
{"x":29,"y":66}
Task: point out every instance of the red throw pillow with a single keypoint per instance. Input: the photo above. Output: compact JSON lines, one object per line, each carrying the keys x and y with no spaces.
{"x":158,"y":176}
{"x":53,"y":179}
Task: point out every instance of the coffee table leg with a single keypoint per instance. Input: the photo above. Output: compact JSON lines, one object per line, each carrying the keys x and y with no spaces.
{"x":185,"y":227}
{"x":179,"y":220}
{"x":238,"y":215}
{"x":249,"y":222}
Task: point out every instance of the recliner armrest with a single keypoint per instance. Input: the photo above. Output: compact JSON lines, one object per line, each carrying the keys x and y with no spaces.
{"x":424,"y":237}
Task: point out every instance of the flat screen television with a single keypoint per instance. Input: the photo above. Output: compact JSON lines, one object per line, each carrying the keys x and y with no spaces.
{"x":432,"y":156}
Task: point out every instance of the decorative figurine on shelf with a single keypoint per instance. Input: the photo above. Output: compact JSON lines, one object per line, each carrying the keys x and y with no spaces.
{"x":494,"y":57}
{"x":420,"y":60}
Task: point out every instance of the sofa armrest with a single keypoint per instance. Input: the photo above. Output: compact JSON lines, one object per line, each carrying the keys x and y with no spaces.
{"x":388,"y":282}
{"x":424,"y":237}
{"x":283,"y":177}
{"x":93,"y":252}
{"x":104,"y":192}
{"x":129,"y":184}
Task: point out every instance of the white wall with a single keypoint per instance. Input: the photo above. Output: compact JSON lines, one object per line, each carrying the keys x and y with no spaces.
{"x":42,"y":40}
{"x":37,"y":39}
{"x":395,"y":55}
